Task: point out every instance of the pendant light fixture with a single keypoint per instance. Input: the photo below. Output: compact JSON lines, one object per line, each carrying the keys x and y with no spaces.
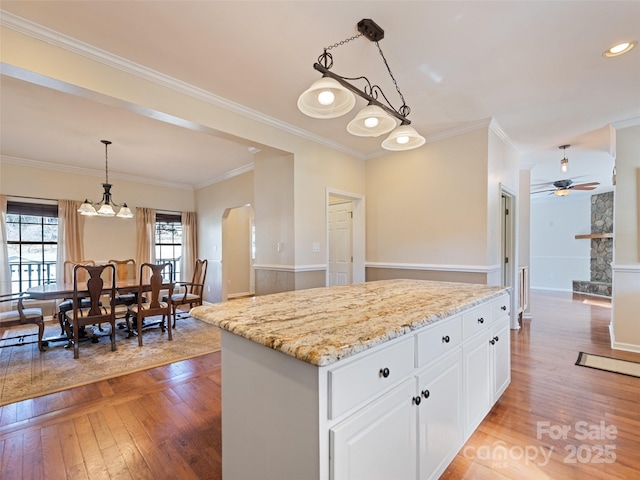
{"x":106,"y":205}
{"x":333,"y":96}
{"x":564,"y":163}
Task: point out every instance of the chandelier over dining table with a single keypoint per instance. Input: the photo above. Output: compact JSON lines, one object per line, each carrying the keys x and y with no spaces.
{"x":333,"y":96}
{"x":106,"y":206}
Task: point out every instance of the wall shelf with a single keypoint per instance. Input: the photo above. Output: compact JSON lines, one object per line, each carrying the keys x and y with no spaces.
{"x":595,"y":235}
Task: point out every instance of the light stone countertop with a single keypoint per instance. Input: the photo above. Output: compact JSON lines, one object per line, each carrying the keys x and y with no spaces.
{"x":323,"y":325}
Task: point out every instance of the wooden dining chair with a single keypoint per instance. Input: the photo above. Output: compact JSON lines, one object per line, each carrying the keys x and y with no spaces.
{"x":193,"y":291}
{"x":22,"y":316}
{"x":96,"y":312}
{"x":67,"y":304}
{"x":153,"y":306}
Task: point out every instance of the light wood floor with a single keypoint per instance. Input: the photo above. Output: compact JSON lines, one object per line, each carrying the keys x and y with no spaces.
{"x":165,"y":422}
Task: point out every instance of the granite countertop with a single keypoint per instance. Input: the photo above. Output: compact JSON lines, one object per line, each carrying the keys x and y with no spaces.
{"x":323,"y":325}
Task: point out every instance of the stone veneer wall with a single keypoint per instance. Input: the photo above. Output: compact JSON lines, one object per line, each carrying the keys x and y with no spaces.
{"x":601,"y":248}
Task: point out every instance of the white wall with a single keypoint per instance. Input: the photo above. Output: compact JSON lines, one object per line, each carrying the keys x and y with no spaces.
{"x":104,"y":238}
{"x":557,"y":258}
{"x":626,"y":255}
{"x":428,"y":206}
{"x":211,"y":203}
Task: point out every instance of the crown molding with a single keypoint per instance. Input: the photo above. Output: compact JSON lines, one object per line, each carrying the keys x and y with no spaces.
{"x":71,"y":44}
{"x":226,"y":176}
{"x":497,"y":129}
{"x":23,"y":162}
{"x":631,"y":122}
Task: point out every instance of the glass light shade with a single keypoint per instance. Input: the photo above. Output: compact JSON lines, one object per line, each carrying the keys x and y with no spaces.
{"x":562,"y":193}
{"x":564,"y":165}
{"x":87,"y":209}
{"x":106,"y":210}
{"x":371,"y":121}
{"x":403,"y":137}
{"x":314,"y":101}
{"x":125,"y":212}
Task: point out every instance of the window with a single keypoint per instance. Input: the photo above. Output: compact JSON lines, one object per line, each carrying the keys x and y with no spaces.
{"x":169,"y":241}
{"x":32,"y":243}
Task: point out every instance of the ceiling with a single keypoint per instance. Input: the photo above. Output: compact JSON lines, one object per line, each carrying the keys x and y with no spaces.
{"x":536,"y":68}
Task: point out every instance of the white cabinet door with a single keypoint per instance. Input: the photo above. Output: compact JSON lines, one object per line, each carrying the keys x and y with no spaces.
{"x":378,"y":442}
{"x":478,"y":391}
{"x":500,"y":357}
{"x":440,"y":426}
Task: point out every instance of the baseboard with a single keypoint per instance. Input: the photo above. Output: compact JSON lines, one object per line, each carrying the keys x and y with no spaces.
{"x":627,"y":347}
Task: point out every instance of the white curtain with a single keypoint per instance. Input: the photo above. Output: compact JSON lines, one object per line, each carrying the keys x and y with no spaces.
{"x":70,"y":235}
{"x":5,"y":275}
{"x":145,"y":236}
{"x":189,"y":245}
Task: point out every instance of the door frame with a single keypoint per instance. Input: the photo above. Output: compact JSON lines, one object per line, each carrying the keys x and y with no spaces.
{"x":358,"y":233}
{"x":508,"y":248}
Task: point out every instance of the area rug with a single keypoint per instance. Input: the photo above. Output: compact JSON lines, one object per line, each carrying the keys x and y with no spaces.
{"x":608,"y":364}
{"x":25,"y":372}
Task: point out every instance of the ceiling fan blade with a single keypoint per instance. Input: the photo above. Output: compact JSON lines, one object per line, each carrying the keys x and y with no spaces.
{"x":543,"y":191}
{"x":589,"y":184}
{"x":583,"y":187}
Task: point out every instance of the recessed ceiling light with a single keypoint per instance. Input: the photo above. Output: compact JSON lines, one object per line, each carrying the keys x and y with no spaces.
{"x":619,"y":49}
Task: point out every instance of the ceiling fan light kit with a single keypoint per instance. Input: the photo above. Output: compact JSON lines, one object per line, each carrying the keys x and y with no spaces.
{"x":106,"y":204}
{"x":334,"y":95}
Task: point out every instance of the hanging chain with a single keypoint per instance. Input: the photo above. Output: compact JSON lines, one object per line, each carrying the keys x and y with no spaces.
{"x":346,"y":40}
{"x":404,"y":106}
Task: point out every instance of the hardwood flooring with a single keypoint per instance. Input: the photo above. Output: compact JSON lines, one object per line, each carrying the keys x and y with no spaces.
{"x":165,"y":422}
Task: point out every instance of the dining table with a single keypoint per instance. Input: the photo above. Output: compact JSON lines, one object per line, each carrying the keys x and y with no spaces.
{"x":57,"y":291}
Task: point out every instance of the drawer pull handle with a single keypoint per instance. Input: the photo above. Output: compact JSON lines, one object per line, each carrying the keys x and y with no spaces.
{"x":384,"y":372}
{"x":417,"y":400}
{"x":425,"y":393}
{"x":445,"y":339}
{"x":481,"y":320}
{"x":503,"y":308}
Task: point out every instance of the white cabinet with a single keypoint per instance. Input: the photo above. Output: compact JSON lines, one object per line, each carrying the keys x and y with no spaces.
{"x":478,"y":389}
{"x":378,"y":442}
{"x":399,"y":410}
{"x":440,"y":427}
{"x":500,"y":347}
{"x":486,"y":360}
{"x":424,"y":412}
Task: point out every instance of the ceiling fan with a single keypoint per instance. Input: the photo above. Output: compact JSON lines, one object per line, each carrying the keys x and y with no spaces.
{"x":564,"y":187}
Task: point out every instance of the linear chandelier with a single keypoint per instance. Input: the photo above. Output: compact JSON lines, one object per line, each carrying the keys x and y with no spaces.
{"x":106,"y":205}
{"x":333,"y":96}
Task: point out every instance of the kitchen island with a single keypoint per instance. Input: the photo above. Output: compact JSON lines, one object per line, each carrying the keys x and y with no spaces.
{"x":382,"y":379}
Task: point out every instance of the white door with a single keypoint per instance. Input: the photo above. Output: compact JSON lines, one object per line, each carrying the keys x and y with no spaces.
{"x":340,"y":243}
{"x":378,"y":442}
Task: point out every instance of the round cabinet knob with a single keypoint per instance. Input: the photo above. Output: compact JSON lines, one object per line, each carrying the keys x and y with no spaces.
{"x":481,"y":320}
{"x":445,"y":339}
{"x":492,"y":341}
{"x":425,"y":393}
{"x":384,"y":372}
{"x":417,"y":400}
{"x":503,"y":308}
{"x":496,"y":338}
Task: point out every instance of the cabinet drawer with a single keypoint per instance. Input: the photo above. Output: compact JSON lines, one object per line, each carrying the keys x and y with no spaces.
{"x":439,"y":339}
{"x":501,"y":307}
{"x":355,"y":382}
{"x":476,"y":320}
